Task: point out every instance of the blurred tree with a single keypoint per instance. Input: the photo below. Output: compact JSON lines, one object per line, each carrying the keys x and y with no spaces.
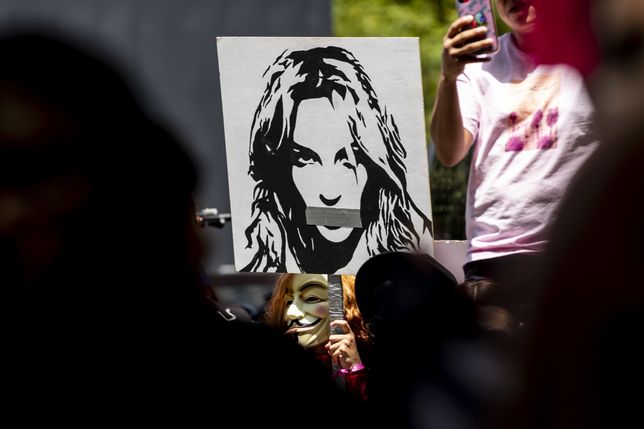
{"x":427,"y":20}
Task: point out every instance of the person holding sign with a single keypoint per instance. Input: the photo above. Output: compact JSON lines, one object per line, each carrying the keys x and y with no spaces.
{"x":529,"y":127}
{"x":299,"y":307}
{"x":320,"y":118}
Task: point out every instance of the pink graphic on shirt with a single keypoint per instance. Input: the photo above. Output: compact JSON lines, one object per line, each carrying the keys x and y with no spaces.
{"x":546,"y":142}
{"x":532,"y":123}
{"x":552,"y":116}
{"x":536,"y":121}
{"x":512,"y":117}
{"x":515,"y":144}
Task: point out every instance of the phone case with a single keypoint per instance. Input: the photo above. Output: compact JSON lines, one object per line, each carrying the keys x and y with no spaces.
{"x":483,"y":14}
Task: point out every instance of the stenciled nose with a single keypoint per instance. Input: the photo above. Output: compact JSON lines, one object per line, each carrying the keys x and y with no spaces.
{"x":330,"y":201}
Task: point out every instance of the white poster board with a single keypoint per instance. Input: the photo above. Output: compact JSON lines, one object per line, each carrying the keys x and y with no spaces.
{"x":326,"y":151}
{"x":452,"y":254}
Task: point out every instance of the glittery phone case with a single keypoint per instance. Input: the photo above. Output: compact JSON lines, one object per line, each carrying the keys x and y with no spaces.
{"x":483,"y":14}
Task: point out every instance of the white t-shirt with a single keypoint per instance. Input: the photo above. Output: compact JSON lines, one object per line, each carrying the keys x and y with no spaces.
{"x":532,"y":128}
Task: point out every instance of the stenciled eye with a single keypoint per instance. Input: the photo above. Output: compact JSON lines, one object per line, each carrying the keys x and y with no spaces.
{"x":342,"y":156}
{"x":312,"y":299}
{"x":301,"y":156}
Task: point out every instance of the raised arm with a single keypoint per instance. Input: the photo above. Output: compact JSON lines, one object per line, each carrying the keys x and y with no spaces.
{"x":452,"y":141}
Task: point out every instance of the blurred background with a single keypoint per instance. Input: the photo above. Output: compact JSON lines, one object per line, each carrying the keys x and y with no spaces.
{"x":167,"y":49}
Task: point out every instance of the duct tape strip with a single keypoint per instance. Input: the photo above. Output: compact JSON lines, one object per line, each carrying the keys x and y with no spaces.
{"x":327,"y":216}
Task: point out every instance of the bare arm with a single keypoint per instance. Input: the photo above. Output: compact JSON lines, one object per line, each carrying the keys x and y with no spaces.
{"x":452,"y":141}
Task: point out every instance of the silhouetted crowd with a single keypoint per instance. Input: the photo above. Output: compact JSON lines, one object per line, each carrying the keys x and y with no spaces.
{"x":108,"y":318}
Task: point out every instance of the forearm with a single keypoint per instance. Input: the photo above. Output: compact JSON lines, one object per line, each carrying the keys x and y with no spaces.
{"x":446,"y":129}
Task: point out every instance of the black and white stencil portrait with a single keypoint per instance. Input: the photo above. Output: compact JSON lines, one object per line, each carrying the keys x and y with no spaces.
{"x":326,"y":151}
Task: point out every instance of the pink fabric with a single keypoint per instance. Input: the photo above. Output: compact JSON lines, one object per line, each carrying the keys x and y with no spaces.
{"x":343,"y":372}
{"x":565,"y":35}
{"x":356,"y":383}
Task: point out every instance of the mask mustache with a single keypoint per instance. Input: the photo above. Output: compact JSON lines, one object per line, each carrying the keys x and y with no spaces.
{"x":296,"y":323}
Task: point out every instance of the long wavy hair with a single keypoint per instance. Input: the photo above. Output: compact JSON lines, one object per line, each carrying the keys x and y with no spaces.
{"x":389,"y":216}
{"x":275,"y":311}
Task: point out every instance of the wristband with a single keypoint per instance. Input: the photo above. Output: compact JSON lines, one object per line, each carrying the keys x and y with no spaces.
{"x":355,"y":368}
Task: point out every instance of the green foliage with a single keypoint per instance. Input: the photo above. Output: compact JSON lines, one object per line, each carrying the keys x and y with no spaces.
{"x":399,"y":18}
{"x":429,"y":21}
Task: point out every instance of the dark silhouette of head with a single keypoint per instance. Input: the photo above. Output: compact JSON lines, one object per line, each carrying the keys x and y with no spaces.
{"x":419,"y":323}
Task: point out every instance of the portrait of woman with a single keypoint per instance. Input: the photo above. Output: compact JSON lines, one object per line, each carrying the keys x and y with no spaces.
{"x":329,"y":170}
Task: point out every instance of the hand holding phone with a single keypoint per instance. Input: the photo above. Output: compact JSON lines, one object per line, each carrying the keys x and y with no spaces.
{"x":483,"y":14}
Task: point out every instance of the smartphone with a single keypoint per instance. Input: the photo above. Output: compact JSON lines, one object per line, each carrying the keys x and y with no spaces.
{"x":483,"y":15}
